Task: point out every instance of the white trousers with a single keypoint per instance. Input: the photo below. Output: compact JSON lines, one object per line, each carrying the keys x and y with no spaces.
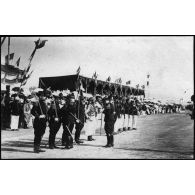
{"x":14,"y":122}
{"x":118,"y":124}
{"x":134,"y":121}
{"x":126,"y":121}
{"x":90,"y":126}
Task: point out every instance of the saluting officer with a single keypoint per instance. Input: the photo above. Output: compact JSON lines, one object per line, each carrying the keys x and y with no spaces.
{"x":54,"y":116}
{"x":110,"y":118}
{"x":39,"y":111}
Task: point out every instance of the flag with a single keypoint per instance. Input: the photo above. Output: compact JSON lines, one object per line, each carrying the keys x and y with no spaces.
{"x":18,"y":62}
{"x":40,"y":43}
{"x":128,"y":82}
{"x":94,"y":75}
{"x":11,"y":57}
{"x":108,"y":79}
{"x":118,"y":81}
{"x":79,"y":70}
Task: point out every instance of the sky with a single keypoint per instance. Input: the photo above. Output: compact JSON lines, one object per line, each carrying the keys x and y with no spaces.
{"x":168,"y":60}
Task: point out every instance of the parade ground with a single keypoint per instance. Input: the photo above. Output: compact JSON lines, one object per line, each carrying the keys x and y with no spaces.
{"x":168,"y":136}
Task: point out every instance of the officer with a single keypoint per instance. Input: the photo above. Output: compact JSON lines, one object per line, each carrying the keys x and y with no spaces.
{"x":80,"y":114}
{"x":39,"y":111}
{"x":68,"y":114}
{"x":54,"y":116}
{"x":110,"y":118}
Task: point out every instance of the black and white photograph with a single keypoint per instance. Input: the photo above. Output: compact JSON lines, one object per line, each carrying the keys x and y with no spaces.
{"x":97,"y":97}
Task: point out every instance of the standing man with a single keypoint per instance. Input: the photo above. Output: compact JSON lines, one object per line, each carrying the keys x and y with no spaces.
{"x":39,"y":111}
{"x":80,"y":114}
{"x":68,"y":114}
{"x":110,"y":118}
{"x":15,"y":112}
{"x":54,"y":116}
{"x":134,"y":113}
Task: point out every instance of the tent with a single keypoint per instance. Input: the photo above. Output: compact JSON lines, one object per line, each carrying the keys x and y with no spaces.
{"x":90,"y":86}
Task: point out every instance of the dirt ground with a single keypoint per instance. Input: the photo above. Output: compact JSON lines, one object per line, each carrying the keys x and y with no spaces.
{"x":169,"y":136}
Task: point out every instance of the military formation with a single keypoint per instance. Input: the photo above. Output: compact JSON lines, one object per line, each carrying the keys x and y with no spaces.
{"x":45,"y":108}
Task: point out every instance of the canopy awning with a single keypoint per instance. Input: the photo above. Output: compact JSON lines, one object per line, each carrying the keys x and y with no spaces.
{"x":102,"y":87}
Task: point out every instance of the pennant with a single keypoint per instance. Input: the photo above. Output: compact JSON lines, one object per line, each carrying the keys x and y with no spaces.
{"x":79,"y":70}
{"x":40,"y":43}
{"x":128,"y":82}
{"x":108,"y":79}
{"x":11,"y":57}
{"x":18,"y":62}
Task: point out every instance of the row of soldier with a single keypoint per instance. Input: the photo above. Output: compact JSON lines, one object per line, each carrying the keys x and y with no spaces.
{"x":79,"y":114}
{"x":120,"y":114}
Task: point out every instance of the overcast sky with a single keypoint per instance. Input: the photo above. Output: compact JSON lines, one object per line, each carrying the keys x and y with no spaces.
{"x":169,"y":60}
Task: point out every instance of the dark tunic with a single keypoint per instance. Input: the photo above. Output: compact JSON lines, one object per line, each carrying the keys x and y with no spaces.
{"x":16,"y":108}
{"x":109,"y":119}
{"x":133,"y":108}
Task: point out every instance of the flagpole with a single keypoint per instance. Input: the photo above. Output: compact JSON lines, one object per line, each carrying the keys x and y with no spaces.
{"x":3,"y":40}
{"x":8,"y":50}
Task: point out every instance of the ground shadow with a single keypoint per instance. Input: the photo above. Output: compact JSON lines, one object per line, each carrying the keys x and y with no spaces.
{"x":153,"y":150}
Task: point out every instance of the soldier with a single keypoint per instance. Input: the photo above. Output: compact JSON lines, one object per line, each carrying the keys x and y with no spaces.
{"x":54,"y":116}
{"x":68,"y":120}
{"x":39,"y":111}
{"x":110,"y":118}
{"x":80,"y":114}
{"x":15,"y":112}
{"x":134,"y":113}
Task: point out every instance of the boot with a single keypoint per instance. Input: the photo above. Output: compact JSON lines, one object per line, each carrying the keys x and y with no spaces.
{"x":89,"y":138}
{"x":112,"y":140}
{"x":36,"y":149}
{"x":71,"y":142}
{"x":109,"y":142}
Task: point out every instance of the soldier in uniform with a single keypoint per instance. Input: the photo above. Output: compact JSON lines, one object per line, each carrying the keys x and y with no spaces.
{"x":68,"y":113}
{"x":39,"y":111}
{"x":134,"y":113}
{"x":54,"y":116}
{"x":110,"y":118}
{"x":80,"y":114}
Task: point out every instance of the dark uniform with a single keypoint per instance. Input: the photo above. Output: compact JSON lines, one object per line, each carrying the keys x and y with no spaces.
{"x":109,"y":119}
{"x":80,"y":114}
{"x":54,"y":116}
{"x":39,"y":124}
{"x":68,"y":121}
